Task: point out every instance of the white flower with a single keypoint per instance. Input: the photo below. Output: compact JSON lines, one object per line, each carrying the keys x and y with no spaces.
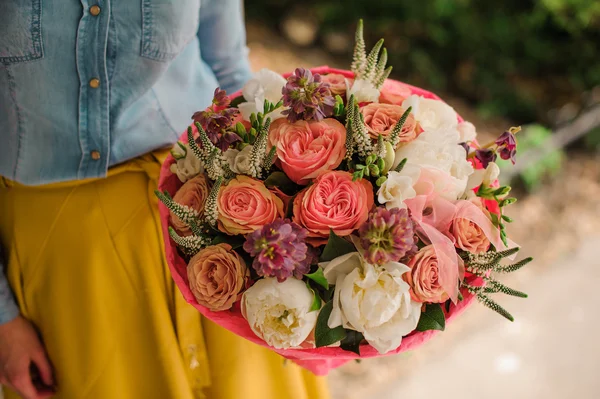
{"x":431,"y":114}
{"x":438,"y":152}
{"x":467,"y":132}
{"x":265,"y":85}
{"x":399,"y":187}
{"x":364,"y":91}
{"x":486,"y":176}
{"x":187,"y":165}
{"x":239,"y":161}
{"x":278,"y":312}
{"x":373,"y":300}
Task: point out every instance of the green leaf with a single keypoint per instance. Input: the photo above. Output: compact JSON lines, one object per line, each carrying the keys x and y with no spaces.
{"x":336,"y":246}
{"x":281,"y":181}
{"x":234,"y":241}
{"x":237,"y":101}
{"x":316,"y":305}
{"x":432,"y":318}
{"x":324,"y":335}
{"x":401,"y":165}
{"x":352,"y":341}
{"x":319,"y":278}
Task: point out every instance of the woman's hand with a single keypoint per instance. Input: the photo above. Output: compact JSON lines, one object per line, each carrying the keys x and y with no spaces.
{"x":21,"y":357}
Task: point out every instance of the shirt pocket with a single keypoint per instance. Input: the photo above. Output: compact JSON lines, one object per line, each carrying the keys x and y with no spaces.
{"x":20,"y":31}
{"x":167,"y":27}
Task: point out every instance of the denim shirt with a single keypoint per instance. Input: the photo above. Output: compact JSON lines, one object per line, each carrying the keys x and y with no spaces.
{"x":90,"y":84}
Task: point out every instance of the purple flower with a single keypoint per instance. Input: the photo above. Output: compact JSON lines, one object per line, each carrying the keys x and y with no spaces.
{"x":307,"y":97}
{"x":220,"y":98}
{"x":485,"y":156}
{"x":387,"y":236}
{"x":216,"y":122}
{"x":507,"y":146}
{"x":280,"y":250}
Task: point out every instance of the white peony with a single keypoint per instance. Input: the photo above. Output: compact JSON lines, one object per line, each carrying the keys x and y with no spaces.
{"x":280,"y":313}
{"x":431,"y":114}
{"x":239,"y":161}
{"x":467,"y":132}
{"x":187,"y":165}
{"x":373,"y":300}
{"x":399,"y":187}
{"x":265,"y":85}
{"x":485,"y":176}
{"x":364,"y":91}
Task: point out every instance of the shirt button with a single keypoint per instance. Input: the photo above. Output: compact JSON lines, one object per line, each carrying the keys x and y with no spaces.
{"x":94,"y":83}
{"x":94,"y":10}
{"x":95,"y":155}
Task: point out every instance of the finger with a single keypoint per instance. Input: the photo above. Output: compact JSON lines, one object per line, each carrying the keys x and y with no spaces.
{"x":43,"y":365}
{"x":24,"y":386}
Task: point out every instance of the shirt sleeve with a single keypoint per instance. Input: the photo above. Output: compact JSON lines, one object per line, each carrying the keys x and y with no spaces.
{"x":222,"y":36}
{"x":8,"y":307}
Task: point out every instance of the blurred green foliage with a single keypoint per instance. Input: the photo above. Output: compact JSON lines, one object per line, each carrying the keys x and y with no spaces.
{"x":518,"y":58}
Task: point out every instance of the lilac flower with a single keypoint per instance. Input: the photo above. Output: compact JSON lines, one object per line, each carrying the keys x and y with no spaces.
{"x":388,"y":235}
{"x":280,"y":250}
{"x":216,"y":122}
{"x":507,"y":145}
{"x":220,"y":98}
{"x":307,"y":97}
{"x":485,"y":156}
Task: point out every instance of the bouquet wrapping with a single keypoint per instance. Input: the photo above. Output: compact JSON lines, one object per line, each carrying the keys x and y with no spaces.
{"x":332,"y":215}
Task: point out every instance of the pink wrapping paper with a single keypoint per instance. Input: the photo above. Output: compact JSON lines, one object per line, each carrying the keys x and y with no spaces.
{"x":321,"y":360}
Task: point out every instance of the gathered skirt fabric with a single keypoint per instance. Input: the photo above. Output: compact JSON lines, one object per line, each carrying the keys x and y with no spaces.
{"x":85,"y":260}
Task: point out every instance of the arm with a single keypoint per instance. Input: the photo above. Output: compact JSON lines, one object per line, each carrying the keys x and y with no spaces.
{"x":222,"y":36}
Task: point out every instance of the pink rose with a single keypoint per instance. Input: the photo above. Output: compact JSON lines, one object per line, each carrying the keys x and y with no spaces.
{"x":467,"y":235}
{"x":217,"y":277}
{"x":192,"y":194}
{"x":337,"y":83}
{"x":245,"y":205}
{"x":395,"y":96}
{"x":424,"y":277}
{"x":381,"y":119}
{"x":334,"y":202}
{"x":307,"y":149}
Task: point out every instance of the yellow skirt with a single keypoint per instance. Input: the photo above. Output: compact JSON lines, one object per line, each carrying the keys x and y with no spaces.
{"x":86,"y":264}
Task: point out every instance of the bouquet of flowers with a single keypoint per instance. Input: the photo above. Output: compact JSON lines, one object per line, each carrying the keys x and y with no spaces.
{"x":332,"y":215}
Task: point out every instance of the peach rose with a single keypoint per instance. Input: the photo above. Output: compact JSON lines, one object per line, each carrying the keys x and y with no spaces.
{"x":217,"y":277}
{"x":381,"y":119}
{"x":334,"y":202}
{"x":192,"y":194}
{"x":245,"y":205}
{"x":423,"y":277}
{"x":467,"y":235}
{"x":337,"y":83}
{"x":396,"y":95}
{"x":307,"y":149}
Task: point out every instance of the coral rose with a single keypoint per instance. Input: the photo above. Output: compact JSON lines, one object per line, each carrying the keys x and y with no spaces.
{"x":424,"y":275}
{"x":192,"y":194}
{"x":334,"y":202}
{"x":217,"y":277}
{"x":381,"y":119}
{"x":337,"y":83}
{"x":467,"y":235}
{"x":307,"y":149}
{"x":245,"y":205}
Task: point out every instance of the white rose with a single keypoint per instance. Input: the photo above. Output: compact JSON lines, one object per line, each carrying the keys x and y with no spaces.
{"x":239,"y":161}
{"x":467,"y":132}
{"x":373,"y":300}
{"x":187,"y":165}
{"x":483,"y":176}
{"x":265,"y":85}
{"x":280,"y":313}
{"x":431,"y":114}
{"x":364,"y":91}
{"x":399,"y":187}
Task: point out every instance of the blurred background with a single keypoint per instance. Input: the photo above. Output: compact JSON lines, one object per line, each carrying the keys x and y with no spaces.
{"x":507,"y":63}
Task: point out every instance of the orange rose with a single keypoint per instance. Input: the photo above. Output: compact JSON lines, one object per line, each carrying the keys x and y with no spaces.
{"x":217,"y":277}
{"x":192,"y":194}
{"x":381,"y":119}
{"x":423,"y":277}
{"x":334,"y":202}
{"x":307,"y":149}
{"x":467,"y":235}
{"x":245,"y":205}
{"x":337,"y":83}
